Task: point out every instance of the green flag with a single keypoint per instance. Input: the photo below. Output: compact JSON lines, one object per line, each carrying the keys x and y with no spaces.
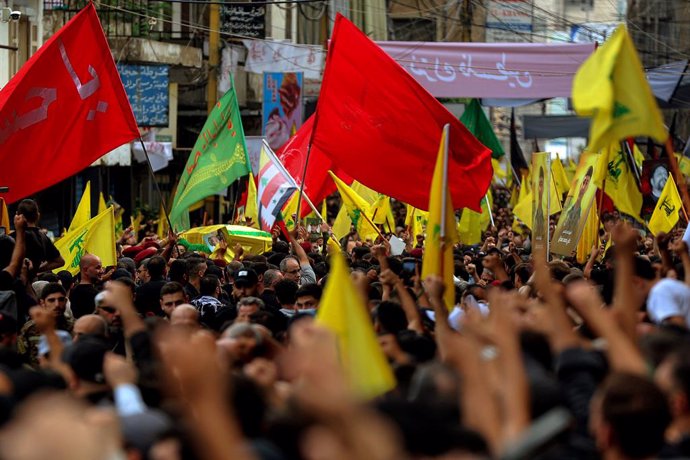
{"x":477,"y":123}
{"x":219,"y":157}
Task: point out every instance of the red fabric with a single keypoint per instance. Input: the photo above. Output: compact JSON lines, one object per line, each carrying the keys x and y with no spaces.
{"x":49,"y":129}
{"x":383,"y":129}
{"x":318,"y":184}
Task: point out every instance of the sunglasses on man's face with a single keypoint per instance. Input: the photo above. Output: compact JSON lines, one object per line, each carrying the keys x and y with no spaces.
{"x":110,"y":310}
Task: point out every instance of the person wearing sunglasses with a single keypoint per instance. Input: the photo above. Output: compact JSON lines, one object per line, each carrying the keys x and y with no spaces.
{"x":111,"y":315}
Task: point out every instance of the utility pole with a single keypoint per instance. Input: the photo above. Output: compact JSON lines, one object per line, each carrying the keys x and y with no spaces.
{"x":213,"y":55}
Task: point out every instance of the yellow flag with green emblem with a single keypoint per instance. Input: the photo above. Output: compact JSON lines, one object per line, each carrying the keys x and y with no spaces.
{"x":441,"y":232}
{"x":610,"y":86}
{"x":357,"y":209}
{"x":83,"y":212}
{"x":665,"y":215}
{"x":343,"y":312}
{"x":96,"y":236}
{"x":620,"y":184}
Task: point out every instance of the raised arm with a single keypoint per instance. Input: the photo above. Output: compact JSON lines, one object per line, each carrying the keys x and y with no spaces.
{"x":19,"y":246}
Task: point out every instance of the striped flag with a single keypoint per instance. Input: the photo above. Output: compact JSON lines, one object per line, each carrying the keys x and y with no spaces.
{"x":275,"y":187}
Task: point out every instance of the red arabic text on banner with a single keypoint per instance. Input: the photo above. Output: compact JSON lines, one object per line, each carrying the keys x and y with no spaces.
{"x":384,"y":131}
{"x":63,"y":110}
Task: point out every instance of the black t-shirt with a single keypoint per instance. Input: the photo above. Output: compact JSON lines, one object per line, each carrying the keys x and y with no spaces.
{"x":82,"y":300}
{"x":39,"y":248}
{"x":148,"y":297}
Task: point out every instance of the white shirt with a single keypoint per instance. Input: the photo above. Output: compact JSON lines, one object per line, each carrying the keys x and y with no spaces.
{"x":669,"y":298}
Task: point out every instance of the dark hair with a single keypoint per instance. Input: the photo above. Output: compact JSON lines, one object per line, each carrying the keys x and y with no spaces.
{"x":208,"y":285}
{"x":48,"y":276}
{"x":309,"y":289}
{"x":52,"y":288}
{"x":171,"y":287}
{"x":360,"y":251}
{"x":644,"y":269}
{"x":178,"y":269}
{"x":523,"y":272}
{"x":194,"y":265}
{"x":391,"y":317}
{"x":156,"y":266}
{"x":285,"y":291}
{"x":638,"y":414}
{"x":28,"y":209}
{"x":6,"y":250}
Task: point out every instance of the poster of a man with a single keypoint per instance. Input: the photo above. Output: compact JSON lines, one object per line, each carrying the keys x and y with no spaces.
{"x":654,"y":177}
{"x":576,"y":208}
{"x":540,"y":198}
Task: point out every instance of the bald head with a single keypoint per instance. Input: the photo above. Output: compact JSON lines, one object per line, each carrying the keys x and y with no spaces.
{"x":185,"y":315}
{"x":90,"y":325}
{"x":90,"y":268}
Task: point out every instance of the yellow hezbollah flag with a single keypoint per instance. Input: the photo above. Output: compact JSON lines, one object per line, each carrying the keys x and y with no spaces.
{"x":343,"y":312}
{"x":83,"y":213}
{"x":96,"y":236}
{"x":438,"y":246}
{"x":4,"y":216}
{"x":289,"y":211}
{"x":357,"y":209}
{"x":523,"y":208}
{"x":136,"y":223}
{"x":560,"y":178}
{"x":342,"y":222}
{"x":101,"y":203}
{"x":163,"y":226}
{"x":415,"y":221}
{"x":665,"y":215}
{"x":472,"y":224}
{"x":610,"y":87}
{"x":499,"y":173}
{"x":590,"y":235}
{"x":620,"y":183}
{"x":382,"y":213}
{"x":251,"y":209}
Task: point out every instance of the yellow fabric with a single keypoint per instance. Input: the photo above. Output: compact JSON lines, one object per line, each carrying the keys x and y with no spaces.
{"x":289,"y":210}
{"x":251,"y":209}
{"x":469,"y":227}
{"x":101,"y":203}
{"x":590,"y":235}
{"x":416,"y":221}
{"x":665,"y":215}
{"x":355,"y":206}
{"x":136,"y":223}
{"x":342,"y":222}
{"x":560,"y":178}
{"x":620,"y":184}
{"x":499,"y":173}
{"x":96,"y":236}
{"x":324,"y":211}
{"x":83,"y":212}
{"x":343,"y":312}
{"x":438,"y":249}
{"x":163,"y":226}
{"x":638,"y":156}
{"x":4,"y":216}
{"x":382,"y":213}
{"x":683,"y":164}
{"x":610,"y":86}
{"x":523,"y":209}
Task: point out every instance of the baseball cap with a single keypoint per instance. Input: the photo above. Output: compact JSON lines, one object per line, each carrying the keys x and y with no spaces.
{"x":245,"y":277}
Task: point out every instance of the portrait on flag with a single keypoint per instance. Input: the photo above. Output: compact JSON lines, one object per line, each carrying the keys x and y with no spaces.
{"x":541,"y":178}
{"x":652,"y":182}
{"x":282,"y":106}
{"x":576,"y":208}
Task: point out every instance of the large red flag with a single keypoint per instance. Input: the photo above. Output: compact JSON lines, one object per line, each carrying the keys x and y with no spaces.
{"x":318,"y":184}
{"x":379,"y":125}
{"x":63,"y":110}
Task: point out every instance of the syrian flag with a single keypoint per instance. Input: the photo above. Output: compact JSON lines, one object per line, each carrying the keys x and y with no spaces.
{"x":276,"y":186}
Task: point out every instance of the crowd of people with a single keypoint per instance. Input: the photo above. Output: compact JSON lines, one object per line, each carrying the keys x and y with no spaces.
{"x":173,"y":354}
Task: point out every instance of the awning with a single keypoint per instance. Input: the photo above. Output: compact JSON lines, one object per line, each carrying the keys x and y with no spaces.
{"x":554,"y":126}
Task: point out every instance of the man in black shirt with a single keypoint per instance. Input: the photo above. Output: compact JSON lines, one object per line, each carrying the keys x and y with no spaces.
{"x":149,"y":294}
{"x":42,"y":253}
{"x":83,"y":294}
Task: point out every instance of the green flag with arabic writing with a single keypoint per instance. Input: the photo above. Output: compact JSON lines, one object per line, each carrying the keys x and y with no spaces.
{"x":219,"y":157}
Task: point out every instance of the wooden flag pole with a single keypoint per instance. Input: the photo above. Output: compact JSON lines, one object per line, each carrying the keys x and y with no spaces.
{"x":678,"y":176}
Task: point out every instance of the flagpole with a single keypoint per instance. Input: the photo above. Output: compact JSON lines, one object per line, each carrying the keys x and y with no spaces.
{"x":444,"y":182}
{"x":153,"y":177}
{"x":488,"y":207}
{"x":680,"y":179}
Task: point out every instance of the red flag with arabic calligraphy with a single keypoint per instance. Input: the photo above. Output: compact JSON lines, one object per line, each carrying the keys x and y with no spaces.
{"x":381,"y":127}
{"x":64,"y":109}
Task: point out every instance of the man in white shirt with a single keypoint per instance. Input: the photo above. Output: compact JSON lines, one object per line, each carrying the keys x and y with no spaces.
{"x":668,"y":300}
